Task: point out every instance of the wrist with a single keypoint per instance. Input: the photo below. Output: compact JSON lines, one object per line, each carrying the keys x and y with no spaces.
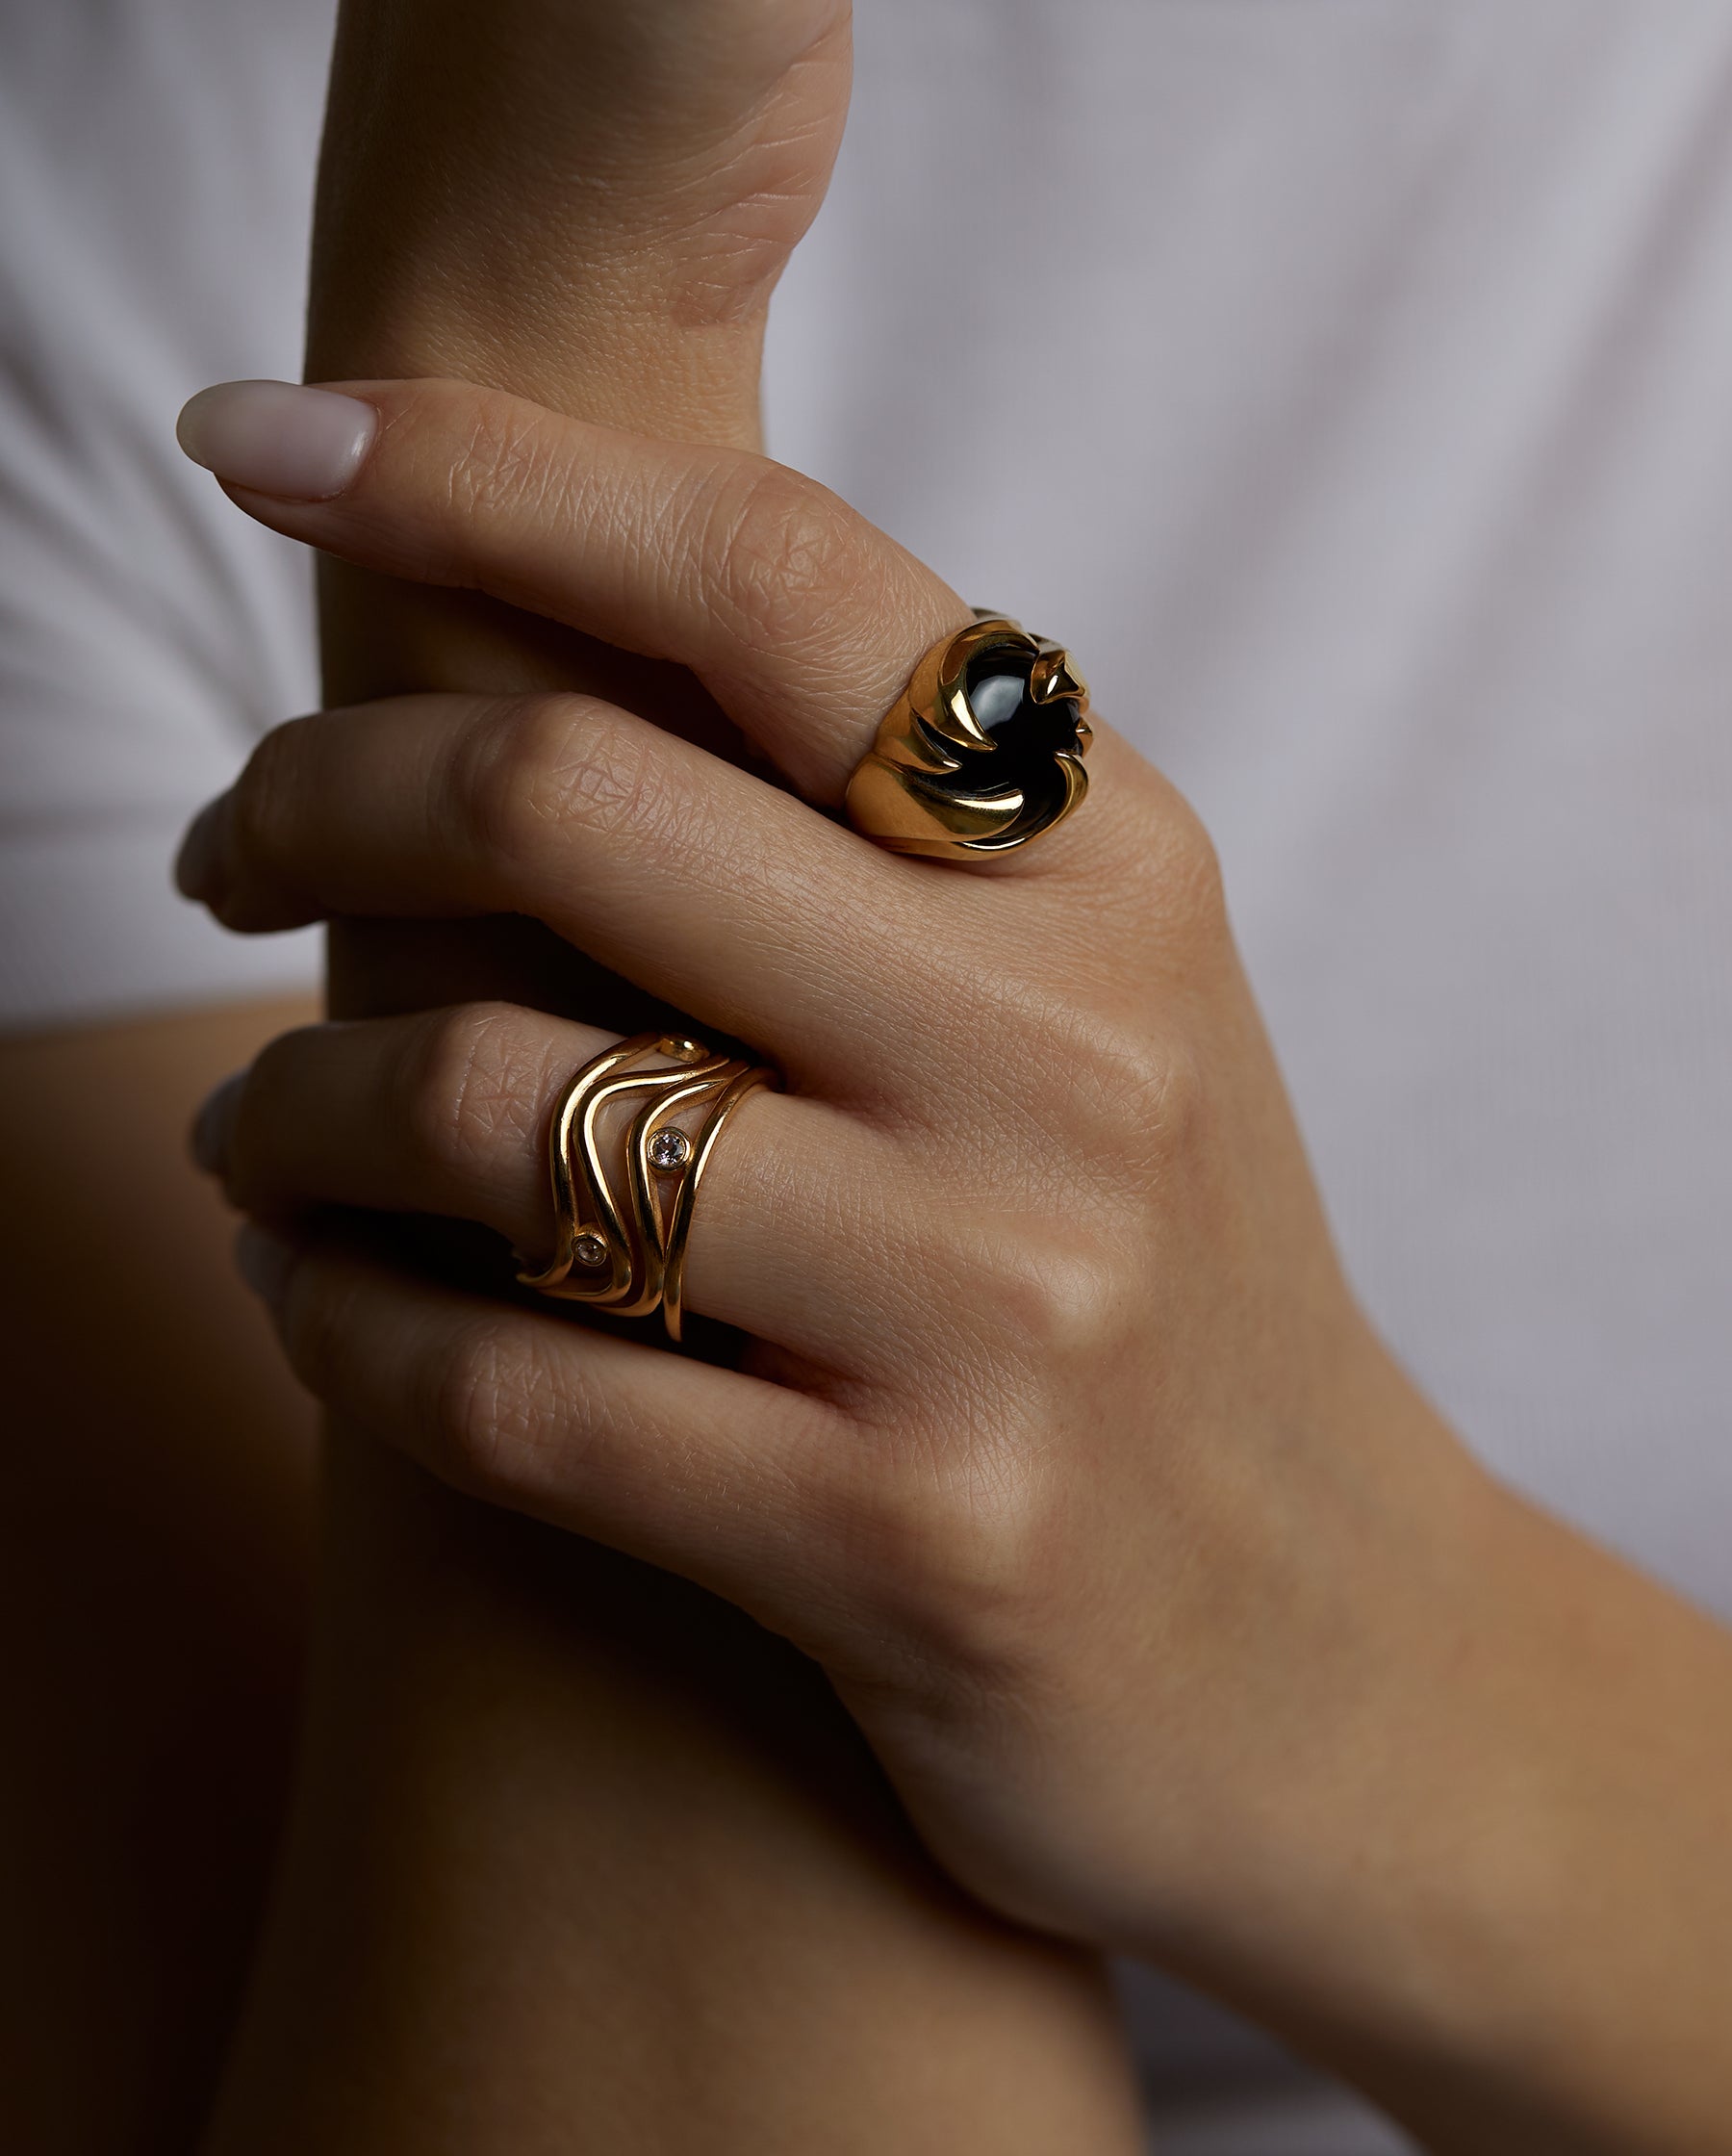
{"x":1479,"y":1864}
{"x":590,"y":207}
{"x":696,"y":383}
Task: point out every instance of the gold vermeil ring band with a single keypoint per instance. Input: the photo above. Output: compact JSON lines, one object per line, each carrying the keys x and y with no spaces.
{"x":628,"y":1257}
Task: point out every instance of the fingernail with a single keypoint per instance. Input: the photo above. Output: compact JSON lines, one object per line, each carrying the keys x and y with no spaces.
{"x":195,"y":864}
{"x":213,"y":1124}
{"x":265,"y":1262}
{"x":277,"y":438}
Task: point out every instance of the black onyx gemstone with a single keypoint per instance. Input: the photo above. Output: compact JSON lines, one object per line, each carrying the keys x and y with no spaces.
{"x":996,"y":682}
{"x":1018,"y":764}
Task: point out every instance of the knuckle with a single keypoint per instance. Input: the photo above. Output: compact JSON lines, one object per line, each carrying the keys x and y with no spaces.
{"x":1059,"y":1296}
{"x":788,"y":560}
{"x":1186,"y":871}
{"x":1115,"y":1086}
{"x":1176,"y":1107}
{"x":537,"y":767}
{"x":959,"y":1551}
{"x":1075,"y":1080}
{"x":462,"y":1082}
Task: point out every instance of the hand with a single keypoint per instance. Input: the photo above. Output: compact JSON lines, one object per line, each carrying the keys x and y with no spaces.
{"x":1053,"y":1354}
{"x":589,"y":204}
{"x":1178,"y":1619}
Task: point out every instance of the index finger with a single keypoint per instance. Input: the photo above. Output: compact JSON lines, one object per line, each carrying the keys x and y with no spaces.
{"x":801,"y":618}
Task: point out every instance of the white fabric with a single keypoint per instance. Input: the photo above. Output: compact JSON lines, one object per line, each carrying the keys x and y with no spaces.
{"x":156,"y":186}
{"x":1345,"y":380}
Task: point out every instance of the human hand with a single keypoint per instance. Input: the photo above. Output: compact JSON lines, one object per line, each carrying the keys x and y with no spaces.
{"x":589,"y":204}
{"x":1059,"y":1440}
{"x":1179,"y":1618}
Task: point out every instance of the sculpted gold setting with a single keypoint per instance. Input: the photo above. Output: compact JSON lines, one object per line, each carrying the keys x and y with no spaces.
{"x":981,"y":752}
{"x":625,"y":1252}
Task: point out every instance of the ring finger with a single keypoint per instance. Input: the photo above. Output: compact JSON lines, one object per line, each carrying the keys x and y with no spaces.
{"x":447,"y":1112}
{"x":718,"y":893}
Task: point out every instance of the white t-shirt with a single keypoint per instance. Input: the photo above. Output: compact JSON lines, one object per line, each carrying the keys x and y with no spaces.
{"x":1348,"y":382}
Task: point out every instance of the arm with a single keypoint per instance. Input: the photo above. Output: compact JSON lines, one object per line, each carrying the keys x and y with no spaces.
{"x":580,"y":1856}
{"x":153,"y":1553}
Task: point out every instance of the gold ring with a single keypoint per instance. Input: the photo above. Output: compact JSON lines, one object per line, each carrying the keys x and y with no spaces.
{"x":981,"y":752}
{"x":629,"y":1257}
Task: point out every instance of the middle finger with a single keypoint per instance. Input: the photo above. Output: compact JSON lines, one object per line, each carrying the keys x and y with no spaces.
{"x":721,"y":894}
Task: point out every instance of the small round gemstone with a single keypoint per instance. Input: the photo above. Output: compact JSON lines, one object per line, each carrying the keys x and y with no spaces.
{"x":669,"y":1149}
{"x":589,"y":1251}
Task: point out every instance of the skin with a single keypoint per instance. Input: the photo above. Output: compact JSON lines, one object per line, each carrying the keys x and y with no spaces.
{"x":578,"y":1856}
{"x":1178,"y":1619}
{"x":153,"y":1550}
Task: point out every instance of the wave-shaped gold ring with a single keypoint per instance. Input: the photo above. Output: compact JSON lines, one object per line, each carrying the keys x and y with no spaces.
{"x":981,"y":752}
{"x":628,"y":1255}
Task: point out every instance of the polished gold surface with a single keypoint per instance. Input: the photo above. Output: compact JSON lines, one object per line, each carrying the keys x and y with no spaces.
{"x":937,"y":781}
{"x":625,"y":1252}
{"x":685,"y":1196}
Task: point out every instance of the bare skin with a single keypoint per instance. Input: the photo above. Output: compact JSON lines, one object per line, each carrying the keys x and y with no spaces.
{"x":580,"y":1857}
{"x":153,"y":1550}
{"x":1179,"y":1618}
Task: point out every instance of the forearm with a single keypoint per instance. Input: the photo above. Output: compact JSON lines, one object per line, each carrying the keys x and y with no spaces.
{"x":445,"y":243}
{"x":1573,"y":1900}
{"x":1494,"y":1885}
{"x":153,"y":1550}
{"x":581,"y":1862}
{"x":581,"y":1858}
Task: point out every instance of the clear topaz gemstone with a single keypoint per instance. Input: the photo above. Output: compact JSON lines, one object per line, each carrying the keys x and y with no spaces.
{"x":669,"y":1149}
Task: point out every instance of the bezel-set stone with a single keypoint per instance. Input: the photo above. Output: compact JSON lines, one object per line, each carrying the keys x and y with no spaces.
{"x":669,"y":1149}
{"x":589,"y":1251}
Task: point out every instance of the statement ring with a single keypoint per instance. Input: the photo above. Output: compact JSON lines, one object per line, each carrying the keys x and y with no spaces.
{"x":981,"y":752}
{"x":626,"y":1150}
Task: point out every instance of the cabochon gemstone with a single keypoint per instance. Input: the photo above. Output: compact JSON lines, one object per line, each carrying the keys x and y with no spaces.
{"x":981,"y":752}
{"x":996,"y":682}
